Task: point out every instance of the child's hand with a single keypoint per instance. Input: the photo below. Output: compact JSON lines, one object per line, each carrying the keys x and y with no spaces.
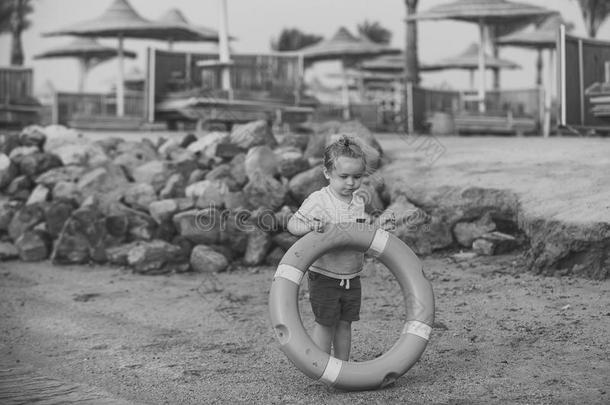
{"x":387,"y":221}
{"x":317,"y":225}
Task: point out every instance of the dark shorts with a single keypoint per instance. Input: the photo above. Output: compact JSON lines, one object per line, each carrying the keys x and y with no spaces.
{"x":331,"y":302}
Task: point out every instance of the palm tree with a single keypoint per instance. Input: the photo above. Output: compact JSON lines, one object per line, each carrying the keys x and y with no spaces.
{"x":374,"y":32}
{"x":13,"y":19}
{"x":293,"y":39}
{"x":411,"y":58}
{"x":594,"y":13}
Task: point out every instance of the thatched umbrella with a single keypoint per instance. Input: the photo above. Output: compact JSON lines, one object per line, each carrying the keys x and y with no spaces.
{"x":469,"y":60}
{"x":188,"y":32}
{"x":88,"y":52}
{"x":539,"y":37}
{"x":121,"y":21}
{"x":466,"y":60}
{"x":486,"y":13}
{"x":345,"y":47}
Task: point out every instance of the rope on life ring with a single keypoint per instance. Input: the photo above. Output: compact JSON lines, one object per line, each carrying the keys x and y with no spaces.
{"x":294,"y":339}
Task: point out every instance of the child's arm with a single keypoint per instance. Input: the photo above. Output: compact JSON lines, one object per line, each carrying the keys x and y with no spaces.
{"x":299,"y":226}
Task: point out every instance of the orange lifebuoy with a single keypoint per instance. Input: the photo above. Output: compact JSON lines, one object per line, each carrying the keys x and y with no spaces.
{"x":294,"y":339}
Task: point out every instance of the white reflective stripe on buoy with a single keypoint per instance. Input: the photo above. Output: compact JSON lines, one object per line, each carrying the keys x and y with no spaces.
{"x":417,"y":328}
{"x":332,"y":370}
{"x":289,"y":273}
{"x":379,"y":242}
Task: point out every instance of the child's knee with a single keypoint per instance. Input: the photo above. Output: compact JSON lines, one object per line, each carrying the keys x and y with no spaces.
{"x":341,"y":324}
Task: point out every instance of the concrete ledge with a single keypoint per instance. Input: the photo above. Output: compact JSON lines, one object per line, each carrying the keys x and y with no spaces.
{"x":562,"y":186}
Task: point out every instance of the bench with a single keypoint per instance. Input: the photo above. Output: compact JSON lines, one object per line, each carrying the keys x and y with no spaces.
{"x":469,"y":123}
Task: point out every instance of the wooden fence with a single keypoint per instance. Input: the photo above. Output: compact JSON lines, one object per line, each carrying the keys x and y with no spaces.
{"x":17,"y":104}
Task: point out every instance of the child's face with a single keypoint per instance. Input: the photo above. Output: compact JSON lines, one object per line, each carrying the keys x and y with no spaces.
{"x":346,"y":176}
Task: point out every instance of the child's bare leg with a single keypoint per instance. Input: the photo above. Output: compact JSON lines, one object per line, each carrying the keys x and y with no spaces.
{"x":323,"y":336}
{"x":343,"y":340}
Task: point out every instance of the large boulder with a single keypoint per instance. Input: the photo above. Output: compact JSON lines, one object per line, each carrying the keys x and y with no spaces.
{"x":206,"y":260}
{"x":164,"y":210}
{"x":207,"y":144}
{"x":175,"y":187}
{"x":19,"y":188}
{"x":139,"y":196}
{"x":8,"y":142}
{"x":261,"y":159}
{"x":494,"y":243}
{"x":34,"y":164}
{"x":233,"y":232}
{"x":154,"y":172}
{"x":58,"y":135}
{"x":56,"y":213}
{"x":8,"y":251}
{"x":8,"y":171}
{"x":466,"y":232}
{"x":33,"y":135}
{"x":132,"y":154}
{"x":422,"y":232}
{"x":86,"y":235}
{"x":8,"y":209}
{"x":105,"y":183}
{"x":567,"y":248}
{"x":207,"y":193}
{"x":39,"y":194}
{"x":305,"y":183}
{"x":33,"y":246}
{"x":82,"y":154}
{"x":290,"y":161}
{"x":199,"y":226}
{"x":69,"y":173}
{"x":259,"y":243}
{"x":264,"y":191}
{"x":251,"y":134}
{"x":157,"y":257}
{"x":26,"y":218}
{"x":223,"y":172}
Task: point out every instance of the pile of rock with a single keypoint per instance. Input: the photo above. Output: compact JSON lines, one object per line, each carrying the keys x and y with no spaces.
{"x":196,"y":203}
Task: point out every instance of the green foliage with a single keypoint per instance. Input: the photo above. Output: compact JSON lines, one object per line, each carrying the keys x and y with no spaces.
{"x":375,"y":32}
{"x":293,"y":39}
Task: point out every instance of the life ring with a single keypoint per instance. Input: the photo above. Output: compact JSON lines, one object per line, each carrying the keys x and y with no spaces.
{"x":294,"y":339}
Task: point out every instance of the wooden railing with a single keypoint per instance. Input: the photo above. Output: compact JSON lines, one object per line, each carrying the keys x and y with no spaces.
{"x":18,"y":107}
{"x":15,"y":84}
{"x":69,"y":105}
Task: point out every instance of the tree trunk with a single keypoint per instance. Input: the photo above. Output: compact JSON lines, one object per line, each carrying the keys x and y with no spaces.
{"x":17,"y":24}
{"x":411,"y":58}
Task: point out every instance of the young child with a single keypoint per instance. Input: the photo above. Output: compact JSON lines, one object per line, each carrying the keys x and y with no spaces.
{"x":334,"y":279}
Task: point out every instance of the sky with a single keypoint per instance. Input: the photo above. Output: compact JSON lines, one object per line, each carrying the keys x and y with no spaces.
{"x":255,"y":22}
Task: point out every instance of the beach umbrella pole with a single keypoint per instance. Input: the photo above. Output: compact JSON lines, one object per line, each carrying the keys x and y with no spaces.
{"x":120,"y":90}
{"x":344,"y":92}
{"x":548,"y":96}
{"x":224,"y":47}
{"x":83,"y":65}
{"x":483,"y":42}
